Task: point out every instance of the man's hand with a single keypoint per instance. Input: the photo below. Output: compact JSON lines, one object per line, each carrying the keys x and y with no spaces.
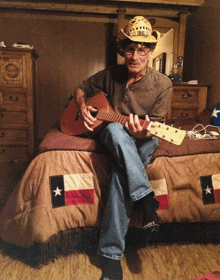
{"x":87,"y":119}
{"x":85,"y":111}
{"x":135,"y":129}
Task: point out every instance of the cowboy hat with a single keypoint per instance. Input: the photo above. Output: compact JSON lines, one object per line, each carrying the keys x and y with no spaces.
{"x":138,"y":29}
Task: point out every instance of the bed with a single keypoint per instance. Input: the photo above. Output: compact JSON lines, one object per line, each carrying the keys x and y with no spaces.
{"x":62,"y":194}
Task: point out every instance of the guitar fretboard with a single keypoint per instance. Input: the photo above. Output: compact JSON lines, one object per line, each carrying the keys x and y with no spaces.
{"x":112,"y":117}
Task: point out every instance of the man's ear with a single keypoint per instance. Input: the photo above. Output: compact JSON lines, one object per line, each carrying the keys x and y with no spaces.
{"x":150,"y":54}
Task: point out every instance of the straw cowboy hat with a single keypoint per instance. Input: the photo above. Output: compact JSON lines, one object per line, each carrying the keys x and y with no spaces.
{"x":138,"y":29}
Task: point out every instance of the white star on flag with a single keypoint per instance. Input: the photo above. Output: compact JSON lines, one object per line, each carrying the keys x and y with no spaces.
{"x":208,"y":190}
{"x":215,"y":112}
{"x":57,"y":191}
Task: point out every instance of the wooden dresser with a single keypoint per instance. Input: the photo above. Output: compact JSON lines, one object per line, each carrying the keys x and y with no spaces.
{"x":17,"y":90}
{"x":187,"y":101}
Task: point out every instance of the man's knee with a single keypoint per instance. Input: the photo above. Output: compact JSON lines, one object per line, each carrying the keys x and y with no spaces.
{"x":113,"y":132}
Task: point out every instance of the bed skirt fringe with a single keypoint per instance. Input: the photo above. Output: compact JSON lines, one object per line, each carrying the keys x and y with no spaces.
{"x":85,"y":241}
{"x":81,"y":240}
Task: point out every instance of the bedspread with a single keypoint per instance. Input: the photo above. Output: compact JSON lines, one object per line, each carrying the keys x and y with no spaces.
{"x":64,"y":187}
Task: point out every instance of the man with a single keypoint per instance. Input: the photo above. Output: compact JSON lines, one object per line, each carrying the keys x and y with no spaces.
{"x":137,"y":91}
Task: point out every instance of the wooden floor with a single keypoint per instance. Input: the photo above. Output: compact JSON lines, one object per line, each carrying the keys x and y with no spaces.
{"x":164,"y":261}
{"x":180,"y":262}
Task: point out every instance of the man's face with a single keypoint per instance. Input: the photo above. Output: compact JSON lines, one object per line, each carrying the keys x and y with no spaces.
{"x":136,"y":57}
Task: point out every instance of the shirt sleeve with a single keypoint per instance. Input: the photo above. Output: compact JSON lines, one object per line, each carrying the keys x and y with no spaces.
{"x":94,"y":84}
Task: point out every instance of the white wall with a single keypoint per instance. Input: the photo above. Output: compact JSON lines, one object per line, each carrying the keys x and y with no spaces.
{"x":165,"y":45}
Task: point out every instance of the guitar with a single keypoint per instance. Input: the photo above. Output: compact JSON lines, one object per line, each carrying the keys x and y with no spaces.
{"x":71,"y":124}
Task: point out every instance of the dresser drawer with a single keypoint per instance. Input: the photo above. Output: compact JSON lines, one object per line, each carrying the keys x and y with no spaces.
{"x":185,"y":96}
{"x":7,"y":134}
{"x":184,"y":114}
{"x":12,"y":98}
{"x":13,"y":117}
{"x":13,"y":68}
{"x":8,"y":152}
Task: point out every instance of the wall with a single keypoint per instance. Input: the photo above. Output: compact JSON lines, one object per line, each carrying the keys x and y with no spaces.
{"x":68,"y":50}
{"x":165,"y":45}
{"x":202,"y":52}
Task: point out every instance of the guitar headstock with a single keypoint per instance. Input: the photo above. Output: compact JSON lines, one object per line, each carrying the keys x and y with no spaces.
{"x":168,"y":133}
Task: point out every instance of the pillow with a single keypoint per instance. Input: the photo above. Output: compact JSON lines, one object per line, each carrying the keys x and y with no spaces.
{"x":215,"y":118}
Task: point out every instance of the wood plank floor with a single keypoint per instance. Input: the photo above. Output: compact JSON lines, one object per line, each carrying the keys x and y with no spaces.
{"x":160,"y":262}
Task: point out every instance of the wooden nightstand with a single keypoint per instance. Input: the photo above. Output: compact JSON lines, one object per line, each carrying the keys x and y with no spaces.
{"x":187,"y":101}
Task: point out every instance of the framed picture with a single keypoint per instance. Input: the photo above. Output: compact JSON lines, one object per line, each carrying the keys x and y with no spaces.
{"x":159,"y":63}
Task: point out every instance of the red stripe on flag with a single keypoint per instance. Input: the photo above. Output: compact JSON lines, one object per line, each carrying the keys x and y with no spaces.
{"x":164,"y":202}
{"x":79,"y":197}
{"x":217,"y":195}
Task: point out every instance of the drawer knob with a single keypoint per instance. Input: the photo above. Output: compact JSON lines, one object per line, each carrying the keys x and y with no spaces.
{"x":187,"y":95}
{"x":2,"y":151}
{"x":184,"y":115}
{"x":13,"y":99}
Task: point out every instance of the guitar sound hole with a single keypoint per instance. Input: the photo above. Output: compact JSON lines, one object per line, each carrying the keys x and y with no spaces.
{"x":94,"y":114}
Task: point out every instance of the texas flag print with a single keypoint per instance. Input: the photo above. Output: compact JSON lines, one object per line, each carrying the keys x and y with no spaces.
{"x":160,"y":189}
{"x":72,"y":189}
{"x":210,"y":189}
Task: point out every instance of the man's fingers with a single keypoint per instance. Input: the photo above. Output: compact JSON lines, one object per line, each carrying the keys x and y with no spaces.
{"x":147,"y":118}
{"x":137,"y":123}
{"x":87,"y":126}
{"x":87,"y":119}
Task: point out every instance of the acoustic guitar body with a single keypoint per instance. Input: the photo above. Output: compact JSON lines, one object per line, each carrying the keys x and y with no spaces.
{"x":71,"y":123}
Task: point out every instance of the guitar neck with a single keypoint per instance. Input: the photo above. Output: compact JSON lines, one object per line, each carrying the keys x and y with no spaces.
{"x":112,"y":117}
{"x":170,"y":134}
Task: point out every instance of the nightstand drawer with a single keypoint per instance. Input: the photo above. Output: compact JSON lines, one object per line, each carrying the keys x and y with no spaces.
{"x":188,"y":96}
{"x":13,"y":117}
{"x":184,"y":114}
{"x":13,"y":152}
{"x":12,"y":98}
{"x":187,"y":101}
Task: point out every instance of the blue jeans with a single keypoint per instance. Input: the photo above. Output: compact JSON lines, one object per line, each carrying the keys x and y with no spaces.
{"x":128,"y":182}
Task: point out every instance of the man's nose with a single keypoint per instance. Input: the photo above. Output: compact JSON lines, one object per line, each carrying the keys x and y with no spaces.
{"x":135,"y":55}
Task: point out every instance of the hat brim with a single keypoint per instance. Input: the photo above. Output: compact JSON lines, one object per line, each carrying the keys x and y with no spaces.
{"x":154,"y":38}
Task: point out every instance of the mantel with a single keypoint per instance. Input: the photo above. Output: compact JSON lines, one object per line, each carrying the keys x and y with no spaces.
{"x":167,"y":8}
{"x":167,"y":2}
